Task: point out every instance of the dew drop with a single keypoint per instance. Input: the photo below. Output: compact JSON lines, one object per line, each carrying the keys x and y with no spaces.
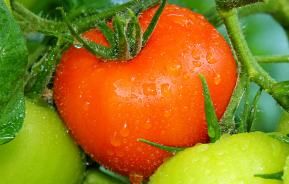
{"x":210,"y":59}
{"x":77,"y":45}
{"x":175,"y":70}
{"x":149,"y":89}
{"x":165,"y":89}
{"x":147,"y":124}
{"x":124,"y":132}
{"x":197,"y":63}
{"x":217,"y":79}
{"x":115,"y":140}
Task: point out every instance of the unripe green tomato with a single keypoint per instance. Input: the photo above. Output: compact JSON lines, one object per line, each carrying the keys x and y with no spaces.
{"x":42,"y":153}
{"x":7,"y":2}
{"x":231,"y":160}
{"x":286,"y":172}
{"x":284,"y":124}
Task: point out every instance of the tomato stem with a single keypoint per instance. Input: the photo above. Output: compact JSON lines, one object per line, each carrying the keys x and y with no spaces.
{"x":227,"y":122}
{"x":247,"y":62}
{"x":273,"y":59}
{"x":30,"y":22}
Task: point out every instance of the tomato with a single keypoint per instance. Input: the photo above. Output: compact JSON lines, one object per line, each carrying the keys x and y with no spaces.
{"x":286,"y":172}
{"x":231,"y":160}
{"x":43,"y":152}
{"x":156,"y":96}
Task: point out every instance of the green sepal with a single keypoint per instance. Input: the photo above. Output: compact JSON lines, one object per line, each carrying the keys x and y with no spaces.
{"x":106,"y":31}
{"x":170,"y":149}
{"x":250,"y":110}
{"x":253,"y":110}
{"x":272,"y":176}
{"x":151,"y":27}
{"x":214,"y":129}
{"x":134,"y":33}
{"x":230,"y":4}
{"x":122,"y":47}
{"x":97,"y":49}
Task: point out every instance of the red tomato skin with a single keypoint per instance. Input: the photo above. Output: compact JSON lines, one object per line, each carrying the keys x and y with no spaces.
{"x":156,"y":96}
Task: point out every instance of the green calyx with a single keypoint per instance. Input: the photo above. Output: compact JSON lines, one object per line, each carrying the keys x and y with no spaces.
{"x":125,"y":38}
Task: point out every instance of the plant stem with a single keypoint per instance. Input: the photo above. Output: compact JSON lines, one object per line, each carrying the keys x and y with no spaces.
{"x":245,"y":11}
{"x":273,"y":59}
{"x":247,"y":62}
{"x":30,"y":22}
{"x":227,"y":122}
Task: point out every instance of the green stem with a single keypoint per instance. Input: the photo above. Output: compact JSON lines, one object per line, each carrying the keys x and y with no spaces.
{"x":245,"y":11}
{"x":30,"y":22}
{"x":227,"y":122}
{"x":247,"y":61}
{"x":273,"y":59}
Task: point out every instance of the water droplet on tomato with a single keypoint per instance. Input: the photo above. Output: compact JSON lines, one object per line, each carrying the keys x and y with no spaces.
{"x":210,"y":58}
{"x":147,"y":124}
{"x":77,"y":45}
{"x":165,"y":89}
{"x":124,"y":132}
{"x":150,"y":89}
{"x":197,"y":63}
{"x":174,"y":70}
{"x":115,"y":140}
{"x":217,"y":79}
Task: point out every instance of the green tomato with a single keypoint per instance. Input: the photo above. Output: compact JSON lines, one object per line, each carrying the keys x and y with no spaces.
{"x":42,"y":153}
{"x":231,"y":160}
{"x":284,"y":124}
{"x":286,"y":172}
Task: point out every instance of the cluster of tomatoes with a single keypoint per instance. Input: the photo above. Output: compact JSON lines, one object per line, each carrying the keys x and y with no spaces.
{"x":157,"y":96}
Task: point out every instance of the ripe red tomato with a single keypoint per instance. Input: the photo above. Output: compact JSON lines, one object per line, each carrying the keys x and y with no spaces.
{"x":156,"y":96}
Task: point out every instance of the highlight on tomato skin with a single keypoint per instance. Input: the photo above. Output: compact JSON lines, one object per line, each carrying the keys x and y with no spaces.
{"x":156,"y":96}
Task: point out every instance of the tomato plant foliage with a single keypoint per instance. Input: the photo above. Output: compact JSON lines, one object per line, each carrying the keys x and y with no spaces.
{"x":13,"y":61}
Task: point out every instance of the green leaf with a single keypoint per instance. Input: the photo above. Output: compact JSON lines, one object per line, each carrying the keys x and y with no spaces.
{"x":170,"y":149}
{"x":214,"y":129}
{"x":13,"y":63}
{"x":273,"y":176}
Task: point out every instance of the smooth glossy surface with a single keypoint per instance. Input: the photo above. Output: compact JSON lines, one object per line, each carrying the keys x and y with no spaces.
{"x":42,"y":153}
{"x":156,"y":96}
{"x":231,"y":160}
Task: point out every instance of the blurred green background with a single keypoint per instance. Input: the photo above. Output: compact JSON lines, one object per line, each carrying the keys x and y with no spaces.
{"x":264,"y":35}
